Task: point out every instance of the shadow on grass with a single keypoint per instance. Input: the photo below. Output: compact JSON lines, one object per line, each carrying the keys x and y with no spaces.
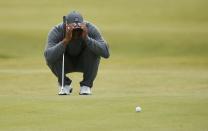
{"x":5,"y":56}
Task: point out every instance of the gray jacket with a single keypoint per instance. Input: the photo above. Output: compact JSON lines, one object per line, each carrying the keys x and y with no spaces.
{"x":55,"y":48}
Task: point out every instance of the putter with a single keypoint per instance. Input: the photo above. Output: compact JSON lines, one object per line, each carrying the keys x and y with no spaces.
{"x":62,"y":76}
{"x":62,"y":79}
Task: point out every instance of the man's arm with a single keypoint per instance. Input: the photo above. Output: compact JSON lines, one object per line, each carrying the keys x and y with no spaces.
{"x":56,"y":43}
{"x":96,"y":43}
{"x":54,"y":47}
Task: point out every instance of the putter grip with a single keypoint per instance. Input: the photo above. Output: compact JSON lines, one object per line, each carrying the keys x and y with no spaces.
{"x":64,"y":24}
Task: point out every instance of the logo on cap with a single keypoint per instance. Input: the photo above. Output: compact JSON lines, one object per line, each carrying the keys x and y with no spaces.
{"x":76,"y":19}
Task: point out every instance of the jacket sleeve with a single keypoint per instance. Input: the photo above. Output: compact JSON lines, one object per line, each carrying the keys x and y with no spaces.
{"x":96,"y":43}
{"x":54,"y":46}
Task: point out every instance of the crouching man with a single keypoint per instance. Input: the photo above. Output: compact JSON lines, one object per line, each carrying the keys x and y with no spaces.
{"x":82,"y":45}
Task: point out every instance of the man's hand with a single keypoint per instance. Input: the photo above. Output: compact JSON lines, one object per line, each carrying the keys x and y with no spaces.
{"x":85,"y":30}
{"x":68,"y":35}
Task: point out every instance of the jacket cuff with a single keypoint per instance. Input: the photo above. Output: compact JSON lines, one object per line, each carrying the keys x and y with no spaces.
{"x":61,"y":46}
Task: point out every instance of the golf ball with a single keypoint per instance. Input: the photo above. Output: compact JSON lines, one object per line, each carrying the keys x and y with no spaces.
{"x":138,"y":109}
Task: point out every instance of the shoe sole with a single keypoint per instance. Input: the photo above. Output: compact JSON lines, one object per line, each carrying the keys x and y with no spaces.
{"x":62,"y":94}
{"x":84,"y":94}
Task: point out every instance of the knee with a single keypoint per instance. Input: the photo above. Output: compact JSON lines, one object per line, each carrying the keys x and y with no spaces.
{"x":88,"y":54}
{"x":53,"y":65}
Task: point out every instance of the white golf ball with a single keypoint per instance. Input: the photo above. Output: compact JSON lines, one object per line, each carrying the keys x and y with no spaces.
{"x":138,"y":109}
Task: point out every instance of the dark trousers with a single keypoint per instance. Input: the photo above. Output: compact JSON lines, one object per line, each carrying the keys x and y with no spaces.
{"x":86,"y":62}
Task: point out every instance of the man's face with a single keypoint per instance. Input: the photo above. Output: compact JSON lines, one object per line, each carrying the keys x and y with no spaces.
{"x":77,"y":31}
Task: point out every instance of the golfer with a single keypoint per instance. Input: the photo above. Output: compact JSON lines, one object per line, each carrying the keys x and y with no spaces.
{"x":82,"y":45}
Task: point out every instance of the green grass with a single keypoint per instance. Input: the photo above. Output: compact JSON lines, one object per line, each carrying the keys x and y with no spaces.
{"x":159,"y":61}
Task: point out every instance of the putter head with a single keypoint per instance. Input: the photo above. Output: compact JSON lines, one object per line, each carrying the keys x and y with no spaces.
{"x":62,"y":92}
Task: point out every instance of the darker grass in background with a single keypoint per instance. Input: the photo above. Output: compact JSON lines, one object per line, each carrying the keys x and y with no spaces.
{"x":132,"y":28}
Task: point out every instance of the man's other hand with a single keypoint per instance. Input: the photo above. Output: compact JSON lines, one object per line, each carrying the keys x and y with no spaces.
{"x":85,"y":30}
